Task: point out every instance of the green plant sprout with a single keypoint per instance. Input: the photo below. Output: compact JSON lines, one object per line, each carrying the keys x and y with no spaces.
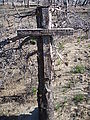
{"x":34,"y":90}
{"x":78,"y":69}
{"x":78,"y":98}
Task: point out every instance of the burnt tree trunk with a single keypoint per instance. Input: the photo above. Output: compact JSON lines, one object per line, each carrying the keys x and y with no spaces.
{"x":45,"y":97}
{"x":27,"y":3}
{"x":3,"y":2}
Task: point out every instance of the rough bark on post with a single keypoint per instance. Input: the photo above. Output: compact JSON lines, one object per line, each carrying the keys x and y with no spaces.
{"x":45,"y":98}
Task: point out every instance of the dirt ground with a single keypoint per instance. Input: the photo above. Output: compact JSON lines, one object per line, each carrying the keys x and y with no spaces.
{"x":18,"y":80}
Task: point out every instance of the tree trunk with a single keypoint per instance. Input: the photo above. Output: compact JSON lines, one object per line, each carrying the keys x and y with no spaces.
{"x":3,"y":2}
{"x":27,"y":3}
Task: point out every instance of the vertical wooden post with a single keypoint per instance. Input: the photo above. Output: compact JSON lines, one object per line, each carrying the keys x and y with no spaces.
{"x":45,"y":98}
{"x":27,"y":3}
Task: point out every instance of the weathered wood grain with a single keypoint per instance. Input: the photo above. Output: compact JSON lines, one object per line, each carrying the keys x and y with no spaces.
{"x":45,"y":98}
{"x":45,"y":32}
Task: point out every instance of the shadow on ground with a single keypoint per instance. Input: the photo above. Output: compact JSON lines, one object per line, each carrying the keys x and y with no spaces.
{"x":32,"y":116}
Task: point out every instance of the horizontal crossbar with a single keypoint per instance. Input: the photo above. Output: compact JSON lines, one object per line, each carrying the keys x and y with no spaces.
{"x":45,"y":32}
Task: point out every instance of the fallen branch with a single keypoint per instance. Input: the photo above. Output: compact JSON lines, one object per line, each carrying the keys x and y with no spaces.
{"x":10,"y":40}
{"x":30,"y":54}
{"x":25,"y":14}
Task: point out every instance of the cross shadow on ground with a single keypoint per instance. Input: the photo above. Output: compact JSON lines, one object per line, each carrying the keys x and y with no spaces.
{"x":32,"y":116}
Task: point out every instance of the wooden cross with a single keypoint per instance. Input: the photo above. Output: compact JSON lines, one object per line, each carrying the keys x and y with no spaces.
{"x":44,"y":33}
